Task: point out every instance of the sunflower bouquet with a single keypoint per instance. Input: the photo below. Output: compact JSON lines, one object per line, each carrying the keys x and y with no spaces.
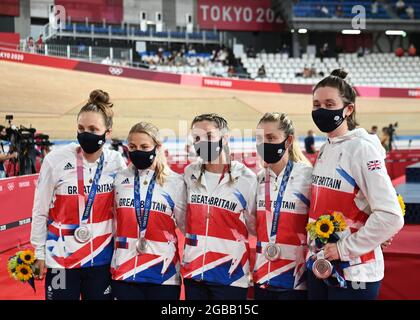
{"x":21,"y":267}
{"x":325,"y":228}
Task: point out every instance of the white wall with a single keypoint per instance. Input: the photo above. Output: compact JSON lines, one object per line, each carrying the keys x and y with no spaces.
{"x":39,"y":8}
{"x":182,"y":8}
{"x":132,"y":9}
{"x":23,"y":22}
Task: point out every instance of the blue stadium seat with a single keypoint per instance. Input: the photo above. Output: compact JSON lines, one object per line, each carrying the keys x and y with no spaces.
{"x":83,"y":29}
{"x":212,"y":36}
{"x":140,"y":33}
{"x":177,"y":34}
{"x":118,"y":30}
{"x":195,"y":35}
{"x":68,"y":28}
{"x":310,"y":8}
{"x":100,"y":30}
{"x":163,"y":34}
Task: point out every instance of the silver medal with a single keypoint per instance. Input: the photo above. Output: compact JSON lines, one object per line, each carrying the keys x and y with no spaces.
{"x":82,"y":234}
{"x":141,"y":245}
{"x":272,"y":252}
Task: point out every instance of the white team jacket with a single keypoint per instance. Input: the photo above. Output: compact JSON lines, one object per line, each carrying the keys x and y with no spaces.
{"x":159,"y":264}
{"x":55,"y":214}
{"x":350,"y":177}
{"x":287,"y":272}
{"x":217,"y":227}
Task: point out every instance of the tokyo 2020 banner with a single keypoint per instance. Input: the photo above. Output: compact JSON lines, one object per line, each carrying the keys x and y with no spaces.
{"x":238,"y":15}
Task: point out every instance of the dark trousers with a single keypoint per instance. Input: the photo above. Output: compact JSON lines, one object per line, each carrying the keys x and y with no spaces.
{"x":318,"y":290}
{"x":195,"y":290}
{"x":92,"y":283}
{"x":267,"y":294}
{"x":122,"y":290}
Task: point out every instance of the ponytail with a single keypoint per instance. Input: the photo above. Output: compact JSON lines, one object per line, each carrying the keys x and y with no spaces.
{"x":99,"y":102}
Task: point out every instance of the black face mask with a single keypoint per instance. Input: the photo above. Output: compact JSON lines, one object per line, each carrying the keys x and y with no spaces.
{"x":272,"y":152}
{"x":142,"y":159}
{"x":328,"y":120}
{"x":208,"y":150}
{"x":91,"y":142}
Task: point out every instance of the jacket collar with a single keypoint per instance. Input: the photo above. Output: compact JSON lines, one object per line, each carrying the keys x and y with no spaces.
{"x":235,"y":168}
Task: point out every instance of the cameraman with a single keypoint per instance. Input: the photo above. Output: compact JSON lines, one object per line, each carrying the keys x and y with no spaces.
{"x":3,"y":156}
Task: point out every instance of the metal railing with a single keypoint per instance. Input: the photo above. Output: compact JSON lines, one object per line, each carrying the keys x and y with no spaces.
{"x":133,"y":33}
{"x":108,"y":55}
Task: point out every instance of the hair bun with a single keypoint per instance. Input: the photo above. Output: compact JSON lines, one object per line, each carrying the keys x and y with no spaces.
{"x":99,"y":97}
{"x":340,"y":73}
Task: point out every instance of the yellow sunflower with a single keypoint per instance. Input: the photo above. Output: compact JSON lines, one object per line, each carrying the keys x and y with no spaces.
{"x":324,"y":228}
{"x":309,"y":226}
{"x":402,"y":204}
{"x":27,"y":256}
{"x":11,"y":274}
{"x":11,"y":267}
{"x":338,"y":217}
{"x":23,"y":272}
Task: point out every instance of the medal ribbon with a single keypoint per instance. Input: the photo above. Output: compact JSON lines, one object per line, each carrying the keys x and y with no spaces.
{"x":86,"y":207}
{"x":143,"y":219}
{"x":279,"y":201}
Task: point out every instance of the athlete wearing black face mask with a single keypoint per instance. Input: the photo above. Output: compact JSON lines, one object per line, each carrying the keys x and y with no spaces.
{"x":272,"y":152}
{"x":208,"y":150}
{"x":328,"y":120}
{"x":91,"y":142}
{"x":142,"y":159}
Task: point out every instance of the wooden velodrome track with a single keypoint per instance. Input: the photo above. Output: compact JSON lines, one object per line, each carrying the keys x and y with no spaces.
{"x":49,"y":99}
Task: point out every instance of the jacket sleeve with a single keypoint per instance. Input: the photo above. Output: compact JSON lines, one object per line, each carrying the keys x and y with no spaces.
{"x":43,"y":196}
{"x":385,"y":219}
{"x":250,"y":212}
{"x":121,"y":163}
{"x":181,"y":205}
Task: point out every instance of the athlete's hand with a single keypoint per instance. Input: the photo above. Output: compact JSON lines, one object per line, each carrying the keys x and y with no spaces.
{"x":387,"y":243}
{"x":331,"y":252}
{"x":13,"y":155}
{"x":40,"y":269}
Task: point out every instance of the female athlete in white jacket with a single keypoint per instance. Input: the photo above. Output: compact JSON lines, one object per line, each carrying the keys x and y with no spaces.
{"x":73,"y":209}
{"x":350,"y":178}
{"x":282,"y":211}
{"x":150,"y":203}
{"x":220,"y":215}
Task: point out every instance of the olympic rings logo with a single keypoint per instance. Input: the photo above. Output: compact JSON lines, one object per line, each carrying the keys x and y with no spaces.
{"x":115,"y":71}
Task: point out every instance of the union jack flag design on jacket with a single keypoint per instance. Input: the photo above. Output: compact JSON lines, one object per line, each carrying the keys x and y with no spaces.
{"x":217,"y":226}
{"x":343,"y":182}
{"x":159,"y":264}
{"x":288,"y":272}
{"x":55,"y":214}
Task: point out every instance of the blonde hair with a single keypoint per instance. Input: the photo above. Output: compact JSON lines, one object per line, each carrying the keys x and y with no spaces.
{"x":99,"y":102}
{"x":221,"y":124}
{"x":162,"y":169}
{"x":286,"y":125}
